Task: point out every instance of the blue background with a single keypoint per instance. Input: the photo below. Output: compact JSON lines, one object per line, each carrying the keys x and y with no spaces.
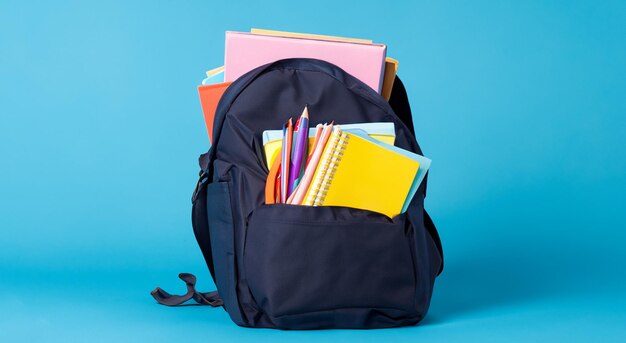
{"x":521,"y":105}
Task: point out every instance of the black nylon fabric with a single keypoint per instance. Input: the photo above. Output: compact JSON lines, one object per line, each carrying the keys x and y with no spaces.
{"x":399,"y":102}
{"x":299,"y":267}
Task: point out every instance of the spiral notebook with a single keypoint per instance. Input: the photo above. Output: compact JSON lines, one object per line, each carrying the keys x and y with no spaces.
{"x":355,"y":171}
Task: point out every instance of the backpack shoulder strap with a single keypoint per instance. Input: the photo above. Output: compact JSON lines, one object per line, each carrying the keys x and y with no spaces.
{"x":399,"y":102}
{"x":199,"y":214}
{"x":432,"y":230}
{"x":208,"y":298}
{"x":201,"y":231}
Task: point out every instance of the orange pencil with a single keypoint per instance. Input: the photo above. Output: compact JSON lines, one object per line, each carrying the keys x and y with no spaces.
{"x":285,"y":160}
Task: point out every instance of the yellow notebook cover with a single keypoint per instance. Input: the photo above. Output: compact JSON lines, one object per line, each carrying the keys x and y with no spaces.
{"x":308,"y":36}
{"x":355,"y":172}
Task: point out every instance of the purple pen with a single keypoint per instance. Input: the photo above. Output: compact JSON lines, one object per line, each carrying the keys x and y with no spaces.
{"x":299,"y":149}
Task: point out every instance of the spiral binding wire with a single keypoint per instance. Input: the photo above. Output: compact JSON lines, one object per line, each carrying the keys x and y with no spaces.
{"x":322,"y":183}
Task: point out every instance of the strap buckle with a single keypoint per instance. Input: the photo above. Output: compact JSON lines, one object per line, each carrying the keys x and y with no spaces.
{"x":201,"y":181}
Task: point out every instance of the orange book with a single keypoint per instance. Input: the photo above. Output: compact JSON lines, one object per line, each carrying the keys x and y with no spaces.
{"x":210,"y":96}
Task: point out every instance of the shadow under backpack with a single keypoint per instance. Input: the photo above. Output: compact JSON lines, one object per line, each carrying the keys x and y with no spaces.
{"x":303,"y":267}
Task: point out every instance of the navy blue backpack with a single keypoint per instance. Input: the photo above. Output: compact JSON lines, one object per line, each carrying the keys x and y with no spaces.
{"x":303,"y":267}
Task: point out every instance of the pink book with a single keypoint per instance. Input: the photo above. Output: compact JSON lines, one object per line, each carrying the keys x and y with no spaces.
{"x":246,"y":51}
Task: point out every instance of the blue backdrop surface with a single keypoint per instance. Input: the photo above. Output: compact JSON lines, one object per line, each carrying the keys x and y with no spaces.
{"x":519,"y":104}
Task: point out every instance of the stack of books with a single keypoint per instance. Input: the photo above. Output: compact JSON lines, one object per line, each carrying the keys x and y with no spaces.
{"x":353,"y":165}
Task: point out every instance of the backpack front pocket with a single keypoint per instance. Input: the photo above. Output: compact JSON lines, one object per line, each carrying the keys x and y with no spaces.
{"x":302,"y":260}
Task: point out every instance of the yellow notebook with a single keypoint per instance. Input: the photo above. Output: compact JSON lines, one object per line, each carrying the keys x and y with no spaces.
{"x":308,"y":36}
{"x":356,"y":172}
